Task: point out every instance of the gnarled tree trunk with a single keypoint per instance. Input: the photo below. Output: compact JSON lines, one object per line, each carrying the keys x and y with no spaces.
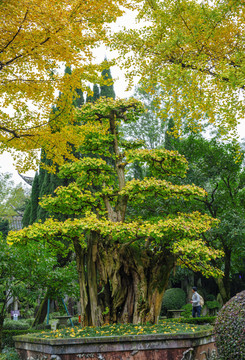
{"x":137,"y":280}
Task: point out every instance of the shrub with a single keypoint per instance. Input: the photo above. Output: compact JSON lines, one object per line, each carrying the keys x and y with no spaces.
{"x":188,"y":311}
{"x":213,"y":304}
{"x":29,"y":321}
{"x":173,"y":299}
{"x":7,"y":336}
{"x":199,"y":320}
{"x":230,"y":329}
{"x":9,"y":353}
{"x":15,"y":325}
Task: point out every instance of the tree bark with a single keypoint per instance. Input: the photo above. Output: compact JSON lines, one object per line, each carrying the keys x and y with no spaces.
{"x":42,"y":311}
{"x":224,"y":284}
{"x":137,"y":279}
{"x":96,"y":314}
{"x":80,"y":262}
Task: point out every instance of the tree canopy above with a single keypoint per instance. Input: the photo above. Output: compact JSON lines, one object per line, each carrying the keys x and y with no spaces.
{"x":194,"y":51}
{"x":37,"y":39}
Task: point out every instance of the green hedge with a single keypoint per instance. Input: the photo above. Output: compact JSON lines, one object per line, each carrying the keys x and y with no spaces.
{"x":188,"y":310}
{"x":16,"y":325}
{"x":7,"y":340}
{"x":199,"y":320}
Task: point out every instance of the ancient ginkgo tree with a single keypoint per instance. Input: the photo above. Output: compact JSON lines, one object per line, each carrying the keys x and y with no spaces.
{"x":123,"y":262}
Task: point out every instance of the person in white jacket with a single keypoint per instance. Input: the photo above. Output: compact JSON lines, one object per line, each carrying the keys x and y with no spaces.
{"x":196,"y":306}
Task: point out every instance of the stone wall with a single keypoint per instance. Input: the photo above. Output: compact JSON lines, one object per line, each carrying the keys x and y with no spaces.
{"x":137,"y":347}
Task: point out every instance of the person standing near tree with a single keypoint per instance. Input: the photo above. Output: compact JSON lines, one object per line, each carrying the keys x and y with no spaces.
{"x":196,"y":306}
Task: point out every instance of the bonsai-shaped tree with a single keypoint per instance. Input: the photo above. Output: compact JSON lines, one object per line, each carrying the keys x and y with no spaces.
{"x":123,"y":262}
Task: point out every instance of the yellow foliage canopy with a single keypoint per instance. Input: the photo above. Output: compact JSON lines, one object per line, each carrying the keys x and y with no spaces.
{"x":37,"y":39}
{"x":193,"y":53}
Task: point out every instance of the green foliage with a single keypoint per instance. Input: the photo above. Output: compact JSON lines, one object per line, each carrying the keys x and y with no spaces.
{"x":148,"y":128}
{"x":229,"y":329}
{"x":15,"y":325}
{"x":9,"y":353}
{"x":4,"y":227}
{"x":212,"y":304}
{"x":199,"y":320}
{"x":188,"y":311}
{"x":173,"y":299}
{"x":7,"y":336}
{"x":26,"y":215}
{"x":79,"y":100}
{"x":107,"y":90}
{"x":99,"y":196}
{"x":34,"y":199}
{"x":218,"y":168}
{"x":96,"y":92}
{"x":75,"y":321}
{"x":12,"y":197}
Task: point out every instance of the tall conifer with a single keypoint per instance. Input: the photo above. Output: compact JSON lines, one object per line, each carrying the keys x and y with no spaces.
{"x":34,"y":199}
{"x":79,"y":101}
{"x":96,"y":92}
{"x":107,"y":90}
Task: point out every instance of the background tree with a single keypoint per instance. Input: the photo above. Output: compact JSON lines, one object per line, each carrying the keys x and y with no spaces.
{"x":96,"y":92}
{"x":219,"y":169}
{"x":107,"y":90}
{"x":215,"y":166}
{"x":127,"y":260}
{"x":27,"y":268}
{"x":148,"y":128}
{"x":12,"y":197}
{"x":194,"y":52}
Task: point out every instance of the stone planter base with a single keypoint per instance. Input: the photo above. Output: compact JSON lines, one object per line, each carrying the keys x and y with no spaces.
{"x":135,"y":347}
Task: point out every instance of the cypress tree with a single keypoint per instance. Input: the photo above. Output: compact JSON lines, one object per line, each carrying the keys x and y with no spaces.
{"x":107,"y":90}
{"x":34,"y":199}
{"x":42,"y":214}
{"x":26,"y":215}
{"x":67,"y":70}
{"x":96,"y":92}
{"x":79,"y":101}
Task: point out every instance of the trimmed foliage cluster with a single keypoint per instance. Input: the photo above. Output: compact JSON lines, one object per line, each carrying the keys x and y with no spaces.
{"x":230,"y":329}
{"x":173,"y":299}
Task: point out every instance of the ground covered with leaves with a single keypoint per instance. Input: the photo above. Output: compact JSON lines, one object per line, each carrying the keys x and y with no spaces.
{"x":164,"y":327}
